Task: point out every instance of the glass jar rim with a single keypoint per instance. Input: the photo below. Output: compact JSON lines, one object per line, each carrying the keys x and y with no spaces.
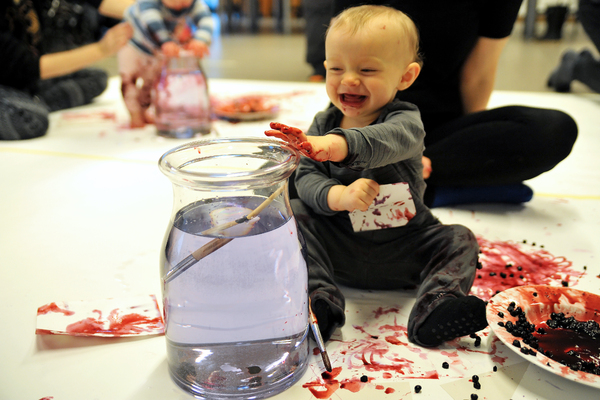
{"x":182,"y":164}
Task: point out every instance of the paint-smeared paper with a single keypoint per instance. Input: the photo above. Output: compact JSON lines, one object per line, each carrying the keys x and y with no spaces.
{"x":393,"y":207}
{"x":121,"y":317}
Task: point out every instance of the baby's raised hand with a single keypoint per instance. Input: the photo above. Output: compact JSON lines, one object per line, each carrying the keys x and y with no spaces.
{"x":197,"y":47}
{"x":170,"y":49}
{"x":359,"y":195}
{"x":319,"y":148}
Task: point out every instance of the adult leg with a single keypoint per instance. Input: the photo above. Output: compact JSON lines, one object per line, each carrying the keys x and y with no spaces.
{"x":317,"y":14}
{"x":328,"y":302}
{"x":73,"y":90}
{"x":587,"y":68}
{"x":497,"y":148}
{"x":21,"y":115}
{"x":581,"y":66}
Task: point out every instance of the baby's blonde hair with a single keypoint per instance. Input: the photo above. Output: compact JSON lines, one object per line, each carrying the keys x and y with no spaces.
{"x":355,"y":18}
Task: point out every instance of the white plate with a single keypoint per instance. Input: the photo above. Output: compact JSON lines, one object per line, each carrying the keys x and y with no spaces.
{"x":248,"y":116}
{"x":584,"y":306}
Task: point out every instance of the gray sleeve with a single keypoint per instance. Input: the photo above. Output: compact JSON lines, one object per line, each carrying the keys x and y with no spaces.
{"x":399,"y":137}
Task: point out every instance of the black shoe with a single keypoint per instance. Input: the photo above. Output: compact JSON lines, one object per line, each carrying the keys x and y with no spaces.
{"x":562,"y":76}
{"x":453,"y":318}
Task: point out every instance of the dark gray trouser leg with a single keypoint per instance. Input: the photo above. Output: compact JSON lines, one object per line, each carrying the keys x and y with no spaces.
{"x":321,"y":284}
{"x":21,"y":115}
{"x":317,"y":14}
{"x":587,"y":68}
{"x":450,"y":271}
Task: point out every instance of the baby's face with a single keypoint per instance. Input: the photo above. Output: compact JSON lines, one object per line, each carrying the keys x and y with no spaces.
{"x":364,"y":70}
{"x":177,"y":4}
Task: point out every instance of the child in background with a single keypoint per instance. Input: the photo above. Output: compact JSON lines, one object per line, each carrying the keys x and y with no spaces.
{"x":369,"y":139}
{"x":166,"y":26}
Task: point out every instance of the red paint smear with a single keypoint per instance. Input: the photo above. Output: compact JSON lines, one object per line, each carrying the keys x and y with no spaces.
{"x":538,"y":267}
{"x":118,"y":324}
{"x":47,"y":398}
{"x":380,"y":311}
{"x":52,"y":307}
{"x":328,"y":383}
{"x":107,"y":115}
{"x":393,"y":340}
{"x":389,"y":391}
{"x":387,"y":375}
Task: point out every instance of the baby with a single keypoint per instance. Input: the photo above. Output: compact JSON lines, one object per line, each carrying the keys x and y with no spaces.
{"x":164,"y":26}
{"x":369,"y":139}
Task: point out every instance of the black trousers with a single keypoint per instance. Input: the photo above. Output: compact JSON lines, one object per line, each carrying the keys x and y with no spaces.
{"x":499,"y":146}
{"x":440,"y":260}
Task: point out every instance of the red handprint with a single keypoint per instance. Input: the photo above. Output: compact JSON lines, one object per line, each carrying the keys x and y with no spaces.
{"x":293,"y":136}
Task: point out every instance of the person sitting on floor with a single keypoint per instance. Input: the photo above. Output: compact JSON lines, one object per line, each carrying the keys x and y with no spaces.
{"x":368,"y":139}
{"x":34,"y":83}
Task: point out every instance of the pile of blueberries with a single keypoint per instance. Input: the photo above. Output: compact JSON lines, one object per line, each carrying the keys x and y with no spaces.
{"x":524,"y":329}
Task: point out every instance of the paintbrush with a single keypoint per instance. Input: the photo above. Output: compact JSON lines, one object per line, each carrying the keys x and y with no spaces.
{"x":216,"y":243}
{"x":318,"y":338}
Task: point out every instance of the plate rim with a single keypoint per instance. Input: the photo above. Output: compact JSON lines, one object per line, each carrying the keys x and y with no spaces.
{"x":540,"y":360}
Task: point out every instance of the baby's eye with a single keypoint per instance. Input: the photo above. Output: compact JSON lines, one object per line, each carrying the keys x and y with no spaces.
{"x":368,"y":70}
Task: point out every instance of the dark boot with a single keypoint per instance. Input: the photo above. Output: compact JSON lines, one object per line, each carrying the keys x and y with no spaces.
{"x":555,"y":18}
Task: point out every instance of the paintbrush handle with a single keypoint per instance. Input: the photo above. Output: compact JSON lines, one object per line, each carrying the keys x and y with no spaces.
{"x":217,"y":243}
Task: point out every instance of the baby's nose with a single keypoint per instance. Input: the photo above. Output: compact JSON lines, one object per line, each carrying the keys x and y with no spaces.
{"x":351,"y":79}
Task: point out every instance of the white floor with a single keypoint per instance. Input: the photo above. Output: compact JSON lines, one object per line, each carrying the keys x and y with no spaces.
{"x":84,"y":210}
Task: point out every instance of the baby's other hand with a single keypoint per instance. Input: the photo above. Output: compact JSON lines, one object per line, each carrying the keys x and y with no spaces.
{"x":115,"y":38}
{"x":359,"y":195}
{"x":170,"y":49}
{"x":426,"y":167}
{"x":198,"y":47}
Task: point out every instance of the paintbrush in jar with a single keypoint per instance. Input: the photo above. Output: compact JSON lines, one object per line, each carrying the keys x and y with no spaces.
{"x":216,"y":243}
{"x":318,"y":338}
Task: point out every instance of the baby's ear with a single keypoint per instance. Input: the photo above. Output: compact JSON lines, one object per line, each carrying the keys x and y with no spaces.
{"x":325,"y":64}
{"x":408,"y":77}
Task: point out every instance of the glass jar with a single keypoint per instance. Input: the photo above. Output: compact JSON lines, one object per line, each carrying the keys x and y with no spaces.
{"x":234,"y":277}
{"x":181,"y":98}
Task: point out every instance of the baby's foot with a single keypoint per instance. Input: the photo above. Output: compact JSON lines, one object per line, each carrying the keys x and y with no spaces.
{"x":453,"y":318}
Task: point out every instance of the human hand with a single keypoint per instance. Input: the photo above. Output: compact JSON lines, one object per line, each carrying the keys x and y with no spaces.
{"x":426,"y":167}
{"x":182,"y":33}
{"x":319,"y":148}
{"x":170,"y":49}
{"x":115,"y":38}
{"x":198,"y":47}
{"x":359,"y":195}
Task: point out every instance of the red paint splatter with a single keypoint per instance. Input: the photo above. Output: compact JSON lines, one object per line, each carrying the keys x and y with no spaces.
{"x":394,"y":340}
{"x":52,"y":307}
{"x":389,"y":390}
{"x":509,"y":264}
{"x":118,"y":325}
{"x":380,"y":311}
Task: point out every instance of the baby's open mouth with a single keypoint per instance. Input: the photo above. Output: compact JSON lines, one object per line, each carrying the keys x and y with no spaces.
{"x":352,"y":100}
